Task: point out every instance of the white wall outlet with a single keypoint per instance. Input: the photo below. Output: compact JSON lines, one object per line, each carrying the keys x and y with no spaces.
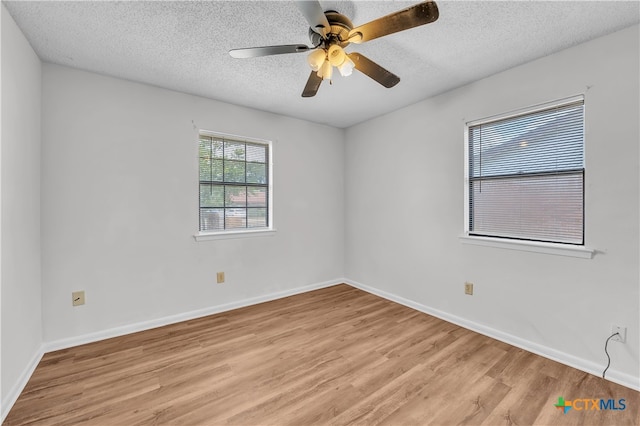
{"x":622,"y":336}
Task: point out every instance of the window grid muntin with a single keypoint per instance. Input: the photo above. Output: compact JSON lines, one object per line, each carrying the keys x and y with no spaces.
{"x":222,"y":155}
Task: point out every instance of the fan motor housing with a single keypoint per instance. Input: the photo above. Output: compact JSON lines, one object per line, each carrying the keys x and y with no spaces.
{"x":338,"y":33}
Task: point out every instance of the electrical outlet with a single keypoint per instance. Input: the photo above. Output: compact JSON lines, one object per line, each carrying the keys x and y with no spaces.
{"x":220,"y":277}
{"x":622,"y":336}
{"x":468,"y":289}
{"x":77,"y":298}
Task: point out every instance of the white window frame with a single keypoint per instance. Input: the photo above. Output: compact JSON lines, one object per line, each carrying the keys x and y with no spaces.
{"x":572,"y":250}
{"x":270,"y":230}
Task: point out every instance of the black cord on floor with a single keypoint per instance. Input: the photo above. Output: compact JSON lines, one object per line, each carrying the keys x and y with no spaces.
{"x":605,"y":351}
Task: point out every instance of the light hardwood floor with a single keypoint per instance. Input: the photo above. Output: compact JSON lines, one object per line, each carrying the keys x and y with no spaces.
{"x":332,"y":356}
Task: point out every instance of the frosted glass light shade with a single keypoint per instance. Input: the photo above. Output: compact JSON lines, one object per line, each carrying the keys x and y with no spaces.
{"x":325,"y":71}
{"x":347,"y":67}
{"x":336,"y":55}
{"x":316,"y":59}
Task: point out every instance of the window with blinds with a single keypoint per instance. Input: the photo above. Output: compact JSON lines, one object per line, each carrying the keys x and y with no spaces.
{"x":234,"y":183}
{"x":526,"y":175}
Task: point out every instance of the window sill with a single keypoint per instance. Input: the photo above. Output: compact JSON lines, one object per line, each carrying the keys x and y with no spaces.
{"x":532,"y":246}
{"x":209,"y":236}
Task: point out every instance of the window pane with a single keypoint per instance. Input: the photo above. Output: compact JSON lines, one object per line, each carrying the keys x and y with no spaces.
{"x":257,"y":218}
{"x":211,"y":219}
{"x":210,"y":147}
{"x":226,"y":166}
{"x":544,"y":208}
{"x":257,"y":197}
{"x":205,"y":168}
{"x":234,"y":171}
{"x":256,"y":173}
{"x":234,"y":150}
{"x":526,"y":176}
{"x":236,"y":196}
{"x":210,"y":170}
{"x":216,"y":171}
{"x":235,"y":218}
{"x":205,"y":147}
{"x":550,"y":140}
{"x":256,"y":153}
{"x":211,"y":195}
{"x":217,"y":148}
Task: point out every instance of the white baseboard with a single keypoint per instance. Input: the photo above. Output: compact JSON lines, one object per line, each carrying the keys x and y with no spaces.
{"x":587,"y":366}
{"x":185,"y":316}
{"x":567,"y":359}
{"x":12,"y":396}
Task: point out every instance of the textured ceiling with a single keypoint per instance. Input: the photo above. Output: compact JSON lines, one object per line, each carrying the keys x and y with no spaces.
{"x":183,"y":46}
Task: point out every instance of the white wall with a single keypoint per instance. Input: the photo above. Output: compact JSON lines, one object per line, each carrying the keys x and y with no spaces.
{"x":118,"y":176}
{"x":20,"y":207}
{"x":120,"y":203}
{"x":405,"y":207}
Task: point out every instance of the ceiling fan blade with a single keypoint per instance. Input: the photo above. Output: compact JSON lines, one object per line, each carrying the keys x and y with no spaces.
{"x":373,"y":70}
{"x":414,"y":16}
{"x":313,"y":84}
{"x":254,"y":52}
{"x":314,"y":15}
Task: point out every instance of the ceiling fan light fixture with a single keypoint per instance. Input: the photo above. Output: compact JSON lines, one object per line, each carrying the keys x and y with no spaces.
{"x":325,"y":71}
{"x":346,"y":69}
{"x":336,"y":55}
{"x":316,"y":59}
{"x":330,"y":32}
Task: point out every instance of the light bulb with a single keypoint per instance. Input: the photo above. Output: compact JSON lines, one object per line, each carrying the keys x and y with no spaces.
{"x":347,"y":67}
{"x":316,"y":59}
{"x":336,"y":55}
{"x":325,"y":71}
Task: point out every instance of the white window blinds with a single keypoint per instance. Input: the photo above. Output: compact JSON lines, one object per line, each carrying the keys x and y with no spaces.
{"x":526,"y":175}
{"x":234,"y":184}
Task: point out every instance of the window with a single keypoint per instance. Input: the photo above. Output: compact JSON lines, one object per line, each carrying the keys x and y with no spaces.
{"x":526,"y":175}
{"x":235,"y":184}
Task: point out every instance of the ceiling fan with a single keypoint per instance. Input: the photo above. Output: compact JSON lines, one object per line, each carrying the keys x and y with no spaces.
{"x":330,"y":32}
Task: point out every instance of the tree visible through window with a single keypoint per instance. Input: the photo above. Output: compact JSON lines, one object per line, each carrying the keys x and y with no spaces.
{"x":234,"y":184}
{"x":526,"y":175}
